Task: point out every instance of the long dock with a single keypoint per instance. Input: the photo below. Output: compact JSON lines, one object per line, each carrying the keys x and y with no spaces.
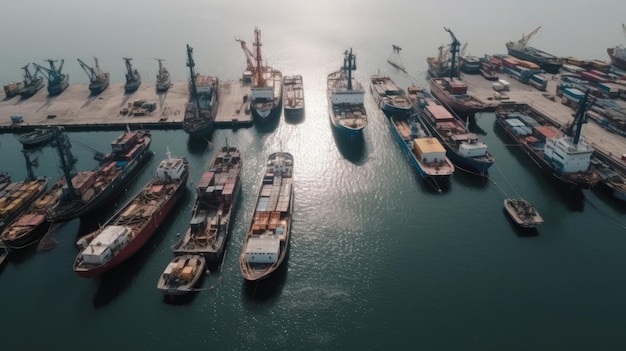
{"x":610,"y":144}
{"x":76,"y":109}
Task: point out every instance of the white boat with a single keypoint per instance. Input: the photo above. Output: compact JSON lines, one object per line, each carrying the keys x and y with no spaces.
{"x":522,"y":212}
{"x":346,"y":99}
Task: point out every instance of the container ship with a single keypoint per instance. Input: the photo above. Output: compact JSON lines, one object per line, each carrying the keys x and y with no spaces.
{"x":520,"y":49}
{"x":89,"y":190}
{"x":388,"y":95}
{"x":133,"y":225}
{"x":464,"y":148}
{"x":266,"y":94}
{"x":217,"y":196}
{"x":16,"y":197}
{"x":560,"y":156}
{"x":293,"y":99}
{"x":267,"y":241}
{"x":203,"y":101}
{"x":346,"y":99}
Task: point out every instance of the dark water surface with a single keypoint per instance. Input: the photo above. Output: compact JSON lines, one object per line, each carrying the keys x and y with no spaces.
{"x":378,"y":260}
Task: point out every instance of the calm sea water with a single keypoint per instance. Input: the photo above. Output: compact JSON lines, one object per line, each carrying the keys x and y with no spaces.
{"x":378,"y":260}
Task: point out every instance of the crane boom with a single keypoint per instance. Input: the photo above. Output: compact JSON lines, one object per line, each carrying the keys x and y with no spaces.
{"x":249,"y":55}
{"x":624,"y":29}
{"x":89,"y":70}
{"x":526,"y":38}
{"x":454,"y":50}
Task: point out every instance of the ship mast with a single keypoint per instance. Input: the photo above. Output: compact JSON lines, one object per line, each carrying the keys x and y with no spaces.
{"x":257,"y":57}
{"x":194,"y":90}
{"x":349,"y":64}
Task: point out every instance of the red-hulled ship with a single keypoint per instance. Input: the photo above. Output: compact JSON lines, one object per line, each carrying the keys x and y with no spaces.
{"x":131,"y":227}
{"x":90,"y":190}
{"x":452,"y":92}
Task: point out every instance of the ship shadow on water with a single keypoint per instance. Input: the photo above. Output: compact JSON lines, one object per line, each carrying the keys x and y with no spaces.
{"x":112,"y":283}
{"x":269,"y":125}
{"x":519,"y":231}
{"x":470,"y":179}
{"x":266,"y":290}
{"x":197,"y":145}
{"x":352,"y":148}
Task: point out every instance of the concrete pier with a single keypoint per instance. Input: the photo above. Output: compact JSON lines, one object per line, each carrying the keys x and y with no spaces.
{"x":611,"y":144}
{"x":77,"y":109}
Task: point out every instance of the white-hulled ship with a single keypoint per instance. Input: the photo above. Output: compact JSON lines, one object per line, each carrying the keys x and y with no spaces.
{"x":346,"y":98}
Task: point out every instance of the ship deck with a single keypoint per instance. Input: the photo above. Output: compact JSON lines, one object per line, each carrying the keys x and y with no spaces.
{"x":76,"y":109}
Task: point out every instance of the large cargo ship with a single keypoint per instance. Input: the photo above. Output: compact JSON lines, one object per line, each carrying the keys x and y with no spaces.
{"x":89,"y":190}
{"x":562,"y":157}
{"x":203,"y":101}
{"x":57,"y":81}
{"x":163,"y":78}
{"x":425,"y":152}
{"x":293,"y":100}
{"x":521,"y":50}
{"x":388,"y":95}
{"x":452,"y":92}
{"x":98,"y":80}
{"x":131,"y":227}
{"x":32,"y":223}
{"x":464,"y":148}
{"x":133,"y":78}
{"x":266,"y":94}
{"x":217,"y":195}
{"x":32,"y":82}
{"x":346,"y":99}
{"x":618,"y":53}
{"x":267,"y":241}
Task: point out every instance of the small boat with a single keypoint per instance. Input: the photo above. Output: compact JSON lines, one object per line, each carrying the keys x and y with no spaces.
{"x":181,"y":275}
{"x":470,"y":64}
{"x":346,"y":99}
{"x":267,"y":241}
{"x":87,"y":191}
{"x":488,"y":70}
{"x":562,"y":157}
{"x":464,"y":148}
{"x":452,"y":92}
{"x":163,"y":79}
{"x":12,"y":89}
{"x":388,"y":95}
{"x":133,"y":79}
{"x":203,"y":103}
{"x":523,"y":213}
{"x":293,"y":100}
{"x":395,"y":60}
{"x":133,"y":225}
{"x":213,"y":213}
{"x":37,"y":136}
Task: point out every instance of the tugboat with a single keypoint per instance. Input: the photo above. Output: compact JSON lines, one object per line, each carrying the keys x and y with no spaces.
{"x":133,"y":79}
{"x":98,"y":80}
{"x":181,"y":275}
{"x":293,"y":100}
{"x":57,"y":81}
{"x":32,"y":82}
{"x":164,"y":80}
{"x":131,"y":227}
{"x":522,"y":213}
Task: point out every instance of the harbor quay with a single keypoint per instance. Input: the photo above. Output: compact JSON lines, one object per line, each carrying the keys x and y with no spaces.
{"x":546,"y":102}
{"x":77,"y":109}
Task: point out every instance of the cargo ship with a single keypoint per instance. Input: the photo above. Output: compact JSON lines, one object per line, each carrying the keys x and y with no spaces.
{"x":388,"y":95}
{"x":181,"y":275}
{"x":521,"y":49}
{"x":452,"y":92}
{"x":163,"y":78}
{"x":464,"y":148}
{"x":133,"y":225}
{"x":425,"y":152}
{"x":293,"y":99}
{"x":470,"y":64}
{"x":267,"y":241}
{"x":611,"y":175}
{"x":37,"y":137}
{"x":564,"y":158}
{"x":16,"y":197}
{"x":618,"y":54}
{"x":57,"y":81}
{"x":32,"y":223}
{"x":523,"y":213}
{"x":133,"y":78}
{"x":32,"y":82}
{"x":266,"y":94}
{"x":203,"y":101}
{"x":89,"y":190}
{"x":346,"y":99}
{"x":98,"y":80}
{"x":217,"y":195}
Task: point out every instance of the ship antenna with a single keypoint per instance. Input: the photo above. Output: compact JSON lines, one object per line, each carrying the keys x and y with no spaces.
{"x":168,"y":153}
{"x":127,"y":127}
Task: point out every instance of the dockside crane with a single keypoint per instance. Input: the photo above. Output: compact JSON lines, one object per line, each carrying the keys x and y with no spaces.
{"x":349,"y":65}
{"x":454,"y":50}
{"x":526,"y":38}
{"x":580,"y":118}
{"x":253,"y":59}
{"x":192,"y":73}
{"x":29,"y":78}
{"x":98,"y":80}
